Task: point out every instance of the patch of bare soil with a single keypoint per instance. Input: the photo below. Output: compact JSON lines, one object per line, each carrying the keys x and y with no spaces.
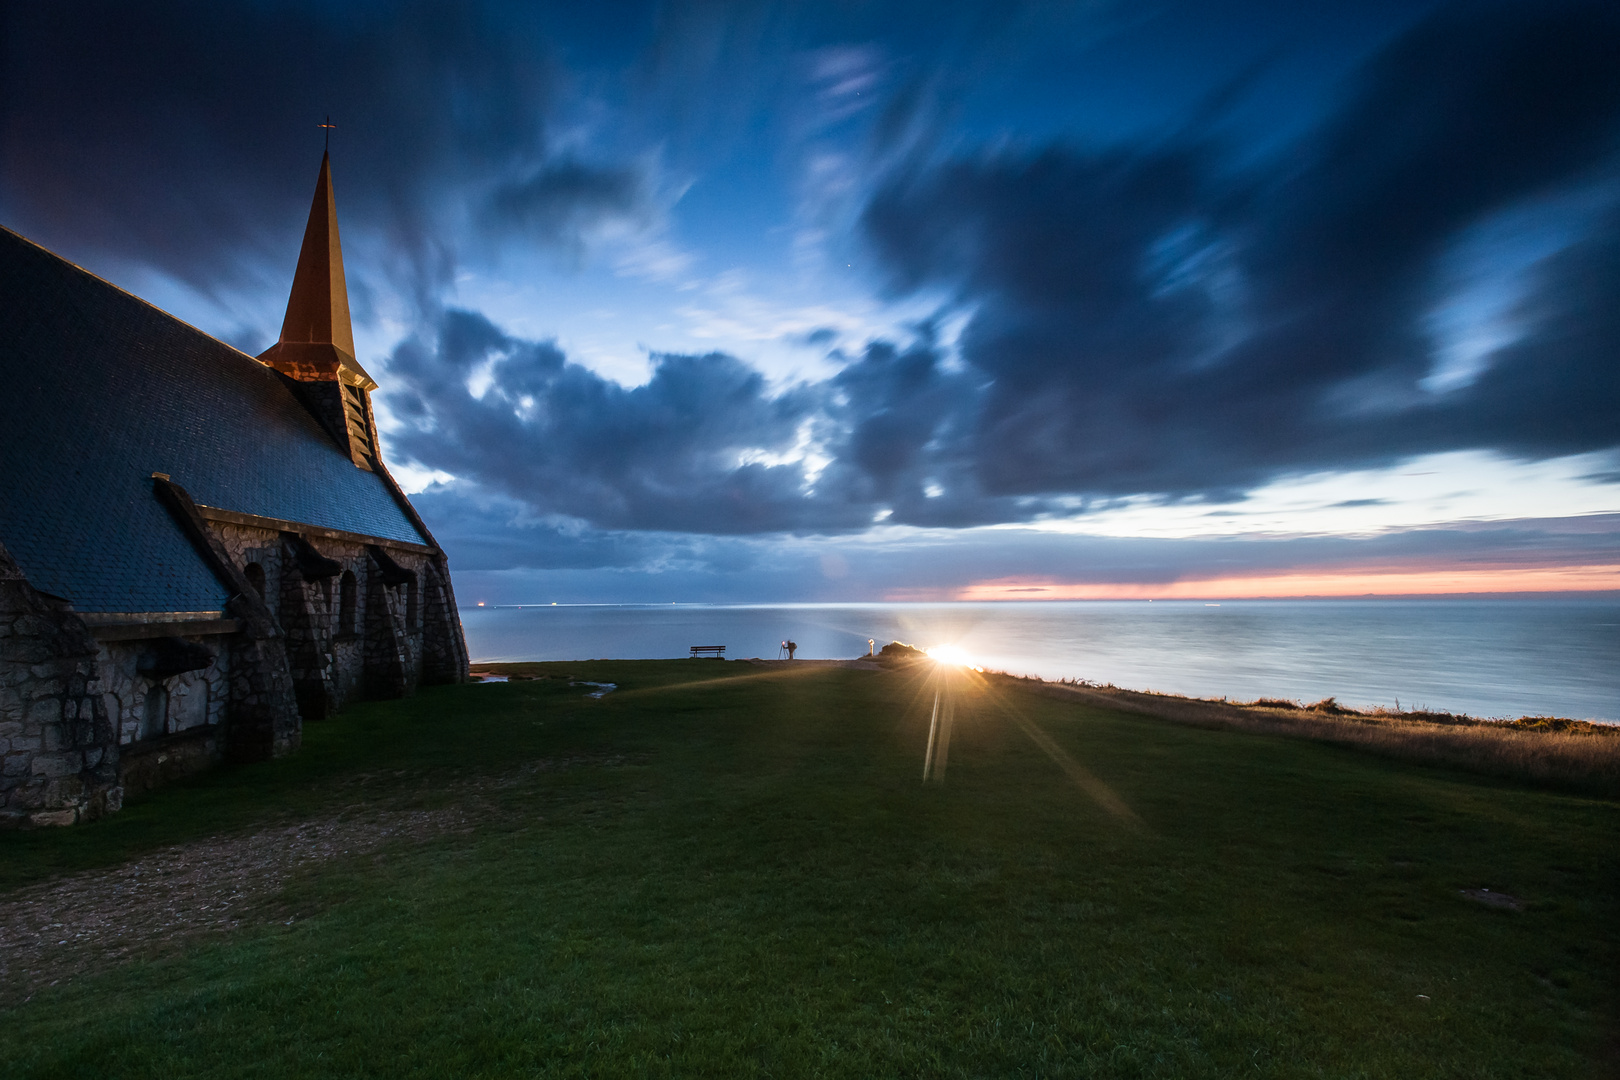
{"x":52,"y":931}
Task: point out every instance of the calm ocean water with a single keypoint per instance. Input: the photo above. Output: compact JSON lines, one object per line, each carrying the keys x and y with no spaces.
{"x":1483,"y":657}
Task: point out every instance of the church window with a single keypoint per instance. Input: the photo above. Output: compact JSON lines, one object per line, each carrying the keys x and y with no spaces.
{"x":255,"y":576}
{"x":155,"y":714}
{"x":348,"y":604}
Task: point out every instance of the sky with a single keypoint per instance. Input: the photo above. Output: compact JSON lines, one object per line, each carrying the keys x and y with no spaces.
{"x":749,"y":302}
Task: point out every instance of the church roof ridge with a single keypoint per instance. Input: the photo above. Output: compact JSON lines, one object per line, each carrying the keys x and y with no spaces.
{"x":138,"y":299}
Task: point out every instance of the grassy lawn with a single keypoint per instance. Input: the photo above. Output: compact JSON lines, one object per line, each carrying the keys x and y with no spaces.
{"x":719,"y":870}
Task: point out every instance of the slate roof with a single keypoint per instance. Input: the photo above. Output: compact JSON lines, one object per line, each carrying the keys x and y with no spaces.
{"x":98,"y":390}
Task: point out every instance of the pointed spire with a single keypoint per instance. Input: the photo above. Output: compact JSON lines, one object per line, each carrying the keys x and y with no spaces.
{"x":316,"y":350}
{"x":318,"y":309}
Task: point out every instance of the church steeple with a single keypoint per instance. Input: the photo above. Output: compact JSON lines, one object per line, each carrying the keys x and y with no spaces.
{"x":318,"y":310}
{"x":316,"y":349}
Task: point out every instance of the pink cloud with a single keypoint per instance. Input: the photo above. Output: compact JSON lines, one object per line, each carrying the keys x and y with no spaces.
{"x":1388,"y":581}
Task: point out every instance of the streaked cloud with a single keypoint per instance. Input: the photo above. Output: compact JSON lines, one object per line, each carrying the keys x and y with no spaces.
{"x":973,"y":296}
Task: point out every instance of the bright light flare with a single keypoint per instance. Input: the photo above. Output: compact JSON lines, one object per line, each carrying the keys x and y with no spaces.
{"x":951,"y":656}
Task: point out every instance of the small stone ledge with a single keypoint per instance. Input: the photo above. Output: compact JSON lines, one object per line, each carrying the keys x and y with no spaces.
{"x":155,"y":762}
{"x":187,"y":628}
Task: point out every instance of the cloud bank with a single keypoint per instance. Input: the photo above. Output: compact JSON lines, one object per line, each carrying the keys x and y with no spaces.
{"x":1425,"y":259}
{"x":1142,"y":320}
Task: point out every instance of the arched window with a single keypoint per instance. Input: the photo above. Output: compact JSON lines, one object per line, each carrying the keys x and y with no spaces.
{"x":255,"y":576}
{"x":155,"y":715}
{"x":348,"y":604}
{"x":413,"y":605}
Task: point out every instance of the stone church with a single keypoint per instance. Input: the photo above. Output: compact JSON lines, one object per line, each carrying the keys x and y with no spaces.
{"x":200,"y":551}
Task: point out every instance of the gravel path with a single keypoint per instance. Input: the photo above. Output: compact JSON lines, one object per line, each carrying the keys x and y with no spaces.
{"x":57,"y":929}
{"x":152,"y":905}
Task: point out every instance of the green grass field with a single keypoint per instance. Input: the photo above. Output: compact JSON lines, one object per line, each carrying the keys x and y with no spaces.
{"x":719,"y":870}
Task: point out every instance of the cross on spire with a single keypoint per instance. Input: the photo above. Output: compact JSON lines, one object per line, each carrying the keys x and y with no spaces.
{"x":328,"y":126}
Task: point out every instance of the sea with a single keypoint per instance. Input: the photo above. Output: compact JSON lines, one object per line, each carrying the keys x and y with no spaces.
{"x":1483,"y":657}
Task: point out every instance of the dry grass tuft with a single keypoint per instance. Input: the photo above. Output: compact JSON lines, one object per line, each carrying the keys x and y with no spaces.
{"x":1574,"y":755}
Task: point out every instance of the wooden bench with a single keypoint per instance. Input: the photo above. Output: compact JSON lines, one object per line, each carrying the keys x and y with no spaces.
{"x":716,"y":651}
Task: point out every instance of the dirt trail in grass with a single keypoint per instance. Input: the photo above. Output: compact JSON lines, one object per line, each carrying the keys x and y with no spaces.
{"x":154,"y":904}
{"x":58,"y":929}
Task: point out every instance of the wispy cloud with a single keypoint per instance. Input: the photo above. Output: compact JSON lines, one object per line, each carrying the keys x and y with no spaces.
{"x":921,"y":267}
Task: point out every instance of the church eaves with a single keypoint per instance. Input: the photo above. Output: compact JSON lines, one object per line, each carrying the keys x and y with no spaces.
{"x":316,"y":349}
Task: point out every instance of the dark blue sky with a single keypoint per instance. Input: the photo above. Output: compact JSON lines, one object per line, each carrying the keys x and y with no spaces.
{"x":840,"y":301}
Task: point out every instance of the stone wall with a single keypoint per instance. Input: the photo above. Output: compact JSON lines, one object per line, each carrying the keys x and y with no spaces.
{"x":55,"y":734}
{"x":195,"y":698}
{"x":248,"y":545}
{"x":383,"y":651}
{"x":264,"y":719}
{"x":307,"y":609}
{"x":81,"y":727}
{"x":444,"y":648}
{"x":174,"y":733}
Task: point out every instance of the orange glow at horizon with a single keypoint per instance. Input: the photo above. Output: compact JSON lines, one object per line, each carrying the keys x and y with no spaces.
{"x":1385,"y":582}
